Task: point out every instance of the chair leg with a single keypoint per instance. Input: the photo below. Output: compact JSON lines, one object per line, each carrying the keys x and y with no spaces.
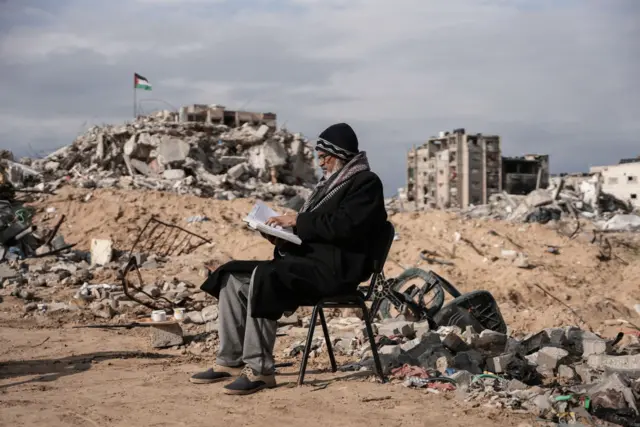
{"x":372,"y":342}
{"x":327,"y":339}
{"x":307,"y":347}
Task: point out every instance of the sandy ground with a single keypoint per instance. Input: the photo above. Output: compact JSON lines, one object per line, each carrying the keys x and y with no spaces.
{"x":88,"y":377}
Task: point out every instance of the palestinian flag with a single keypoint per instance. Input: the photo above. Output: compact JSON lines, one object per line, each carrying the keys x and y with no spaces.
{"x":140,"y":82}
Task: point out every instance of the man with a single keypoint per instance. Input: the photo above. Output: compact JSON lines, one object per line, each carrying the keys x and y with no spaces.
{"x":336,"y":225}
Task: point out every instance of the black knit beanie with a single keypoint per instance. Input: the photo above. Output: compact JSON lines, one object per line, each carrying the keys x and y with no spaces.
{"x":338,"y":140}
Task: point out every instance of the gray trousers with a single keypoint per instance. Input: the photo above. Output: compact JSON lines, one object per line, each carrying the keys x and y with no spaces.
{"x":243,"y":339}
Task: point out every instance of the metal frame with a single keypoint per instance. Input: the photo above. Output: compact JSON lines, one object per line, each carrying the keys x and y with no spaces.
{"x":148,"y":243}
{"x":355,"y":300}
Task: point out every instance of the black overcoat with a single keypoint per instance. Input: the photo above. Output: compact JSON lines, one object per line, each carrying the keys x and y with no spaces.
{"x":333,"y":259}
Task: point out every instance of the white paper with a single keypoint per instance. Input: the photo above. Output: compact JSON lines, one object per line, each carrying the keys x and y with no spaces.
{"x":257,"y":220}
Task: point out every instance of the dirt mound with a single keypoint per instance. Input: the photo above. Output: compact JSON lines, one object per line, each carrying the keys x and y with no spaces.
{"x":530,"y":298}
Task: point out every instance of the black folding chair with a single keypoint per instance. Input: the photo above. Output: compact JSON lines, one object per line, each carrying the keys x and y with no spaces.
{"x":355,"y":300}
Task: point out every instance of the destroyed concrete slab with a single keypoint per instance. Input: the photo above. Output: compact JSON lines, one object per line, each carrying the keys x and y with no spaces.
{"x":549,"y":358}
{"x":163,"y":336}
{"x":174,"y":174}
{"x":627,"y":364}
{"x":101,"y":251}
{"x":173,"y":150}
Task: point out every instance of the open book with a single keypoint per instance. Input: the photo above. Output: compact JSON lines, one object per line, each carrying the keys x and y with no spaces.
{"x":260,"y":214}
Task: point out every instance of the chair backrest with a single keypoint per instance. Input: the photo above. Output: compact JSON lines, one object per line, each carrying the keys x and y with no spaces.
{"x":382,"y":245}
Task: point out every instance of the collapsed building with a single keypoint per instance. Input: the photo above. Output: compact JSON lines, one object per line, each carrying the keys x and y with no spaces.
{"x":457,"y":169}
{"x":202,"y":150}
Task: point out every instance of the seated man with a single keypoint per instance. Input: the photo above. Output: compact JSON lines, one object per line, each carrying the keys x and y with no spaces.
{"x":336,"y":225}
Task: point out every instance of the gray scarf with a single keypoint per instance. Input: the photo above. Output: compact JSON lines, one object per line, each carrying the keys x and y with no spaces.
{"x":326,"y":188}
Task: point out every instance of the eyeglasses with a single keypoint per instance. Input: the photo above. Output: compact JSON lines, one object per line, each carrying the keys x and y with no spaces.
{"x":322,"y":157}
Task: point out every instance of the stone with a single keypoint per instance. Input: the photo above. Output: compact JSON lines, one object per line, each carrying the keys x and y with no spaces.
{"x":173,"y":150}
{"x":454,"y":343}
{"x":567,"y":372}
{"x":550,"y":357}
{"x":498,"y":364}
{"x":174,"y":174}
{"x":194,"y":317}
{"x":391,"y":351}
{"x":515,"y":384}
{"x":490,"y":341}
{"x":509,"y":254}
{"x":542,"y":402}
{"x":7,"y":272}
{"x":418,"y":346}
{"x":292,"y":320}
{"x":557,"y":337}
{"x":397,"y":328}
{"x":101,"y":252}
{"x":429,"y":359}
{"x":237,"y":171}
{"x":585,"y":343}
{"x":130,"y":146}
{"x":163,"y":336}
{"x":152,"y":290}
{"x":262,"y":131}
{"x":210,"y":313}
{"x":534,"y":343}
{"x":471,"y":361}
{"x":521,"y":261}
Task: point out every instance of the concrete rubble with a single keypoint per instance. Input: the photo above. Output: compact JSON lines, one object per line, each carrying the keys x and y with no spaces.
{"x":159,"y":153}
{"x":561,"y":201}
{"x":548,"y":374}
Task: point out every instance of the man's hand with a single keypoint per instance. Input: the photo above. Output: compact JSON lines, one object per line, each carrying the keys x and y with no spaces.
{"x":284,"y":221}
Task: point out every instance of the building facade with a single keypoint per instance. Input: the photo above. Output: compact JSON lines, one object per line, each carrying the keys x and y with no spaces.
{"x":621,"y":180}
{"x":455,"y":169}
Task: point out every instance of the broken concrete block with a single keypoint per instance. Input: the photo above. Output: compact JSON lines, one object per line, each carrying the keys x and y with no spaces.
{"x":429,"y":359}
{"x":534,"y":343}
{"x":396,"y":328}
{"x":585,"y":343}
{"x":262,"y":131}
{"x":629,"y":364}
{"x":130,"y":146}
{"x":163,"y":336}
{"x":550,"y":357}
{"x":444,"y":362}
{"x":521,"y":261}
{"x":454,"y":343}
{"x":490,"y":341}
{"x":101,"y":251}
{"x":194,"y":317}
{"x":174,"y":174}
{"x":274,"y":153}
{"x":514,"y":385}
{"x":498,"y":364}
{"x":567,"y":372}
{"x":557,"y":337}
{"x":173,"y":150}
{"x":237,"y":171}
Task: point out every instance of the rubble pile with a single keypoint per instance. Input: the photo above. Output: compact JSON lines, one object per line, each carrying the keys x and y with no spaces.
{"x":204,"y":159}
{"x":554,"y":374}
{"x":560,"y":201}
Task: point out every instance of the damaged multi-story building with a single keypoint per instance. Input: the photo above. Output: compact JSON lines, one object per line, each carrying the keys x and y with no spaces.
{"x":218,"y":114}
{"x":457,"y":169}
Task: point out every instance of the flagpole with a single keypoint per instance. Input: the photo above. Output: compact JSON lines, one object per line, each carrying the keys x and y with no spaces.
{"x":134,"y":97}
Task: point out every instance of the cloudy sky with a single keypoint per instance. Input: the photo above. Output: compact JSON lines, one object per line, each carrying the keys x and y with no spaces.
{"x":550,"y":76}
